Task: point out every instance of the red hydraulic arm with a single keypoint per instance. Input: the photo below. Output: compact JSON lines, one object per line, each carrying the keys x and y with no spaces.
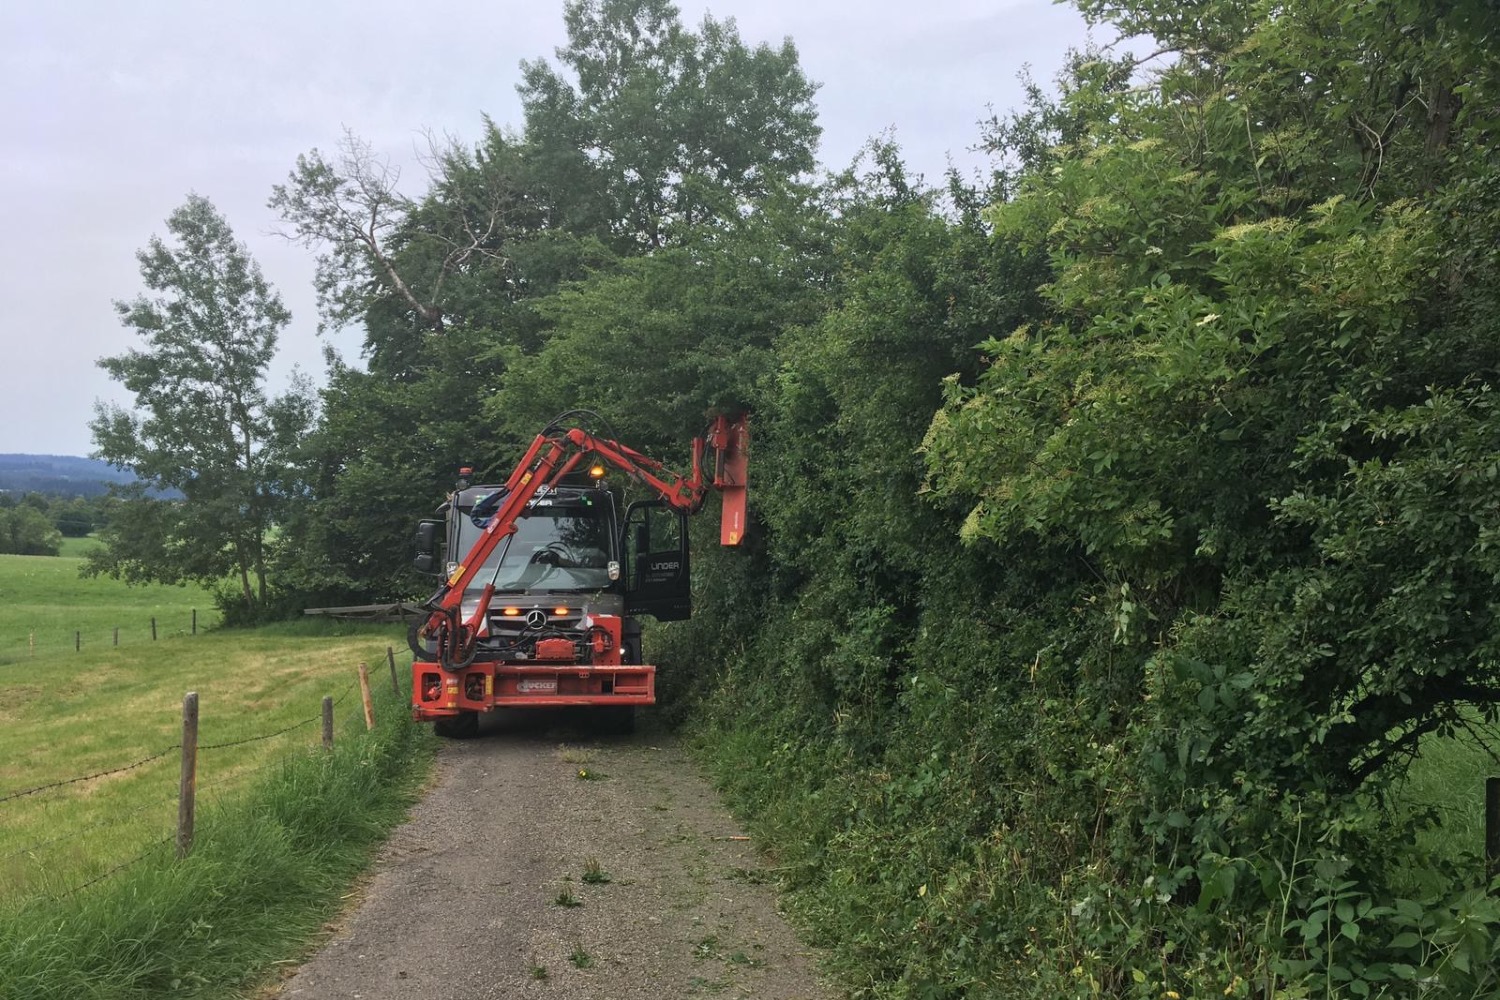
{"x":554,"y":454}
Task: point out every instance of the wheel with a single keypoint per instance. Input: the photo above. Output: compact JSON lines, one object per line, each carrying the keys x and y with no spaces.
{"x":463,"y":726}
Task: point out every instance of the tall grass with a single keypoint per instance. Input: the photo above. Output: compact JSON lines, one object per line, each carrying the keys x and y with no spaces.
{"x":1446,"y":781}
{"x":267,"y":870}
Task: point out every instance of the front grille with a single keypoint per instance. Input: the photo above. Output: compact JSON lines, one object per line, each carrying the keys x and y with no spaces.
{"x":513,"y":637}
{"x":512,"y":626}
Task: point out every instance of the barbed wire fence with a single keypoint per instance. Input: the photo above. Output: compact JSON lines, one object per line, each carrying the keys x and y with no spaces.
{"x":185,"y":796}
{"x":16,"y":646}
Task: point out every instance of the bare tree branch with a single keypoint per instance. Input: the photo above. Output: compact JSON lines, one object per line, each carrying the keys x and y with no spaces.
{"x":350,"y":207}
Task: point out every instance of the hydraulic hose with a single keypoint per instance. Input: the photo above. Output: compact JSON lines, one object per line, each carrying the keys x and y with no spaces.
{"x":448,"y":633}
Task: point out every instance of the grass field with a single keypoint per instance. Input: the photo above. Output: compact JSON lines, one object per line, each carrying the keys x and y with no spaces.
{"x":93,"y":903}
{"x":58,"y":722}
{"x":44,"y":597}
{"x":64,"y":714}
{"x":77,"y":548}
{"x":270,"y":867}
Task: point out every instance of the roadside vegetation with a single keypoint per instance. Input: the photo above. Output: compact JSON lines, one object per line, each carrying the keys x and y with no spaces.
{"x":270,"y":866}
{"x":1150,"y":649}
{"x":92,"y":901}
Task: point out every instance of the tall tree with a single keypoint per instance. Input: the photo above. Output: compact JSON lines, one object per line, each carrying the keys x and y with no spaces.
{"x":658,"y":339}
{"x":376,"y":245}
{"x":647,"y":138}
{"x":203,"y":425}
{"x":661,"y":127}
{"x":442,"y":285}
{"x":26,"y":531}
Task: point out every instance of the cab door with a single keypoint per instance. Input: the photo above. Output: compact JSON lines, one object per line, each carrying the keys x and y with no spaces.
{"x":657,"y":579}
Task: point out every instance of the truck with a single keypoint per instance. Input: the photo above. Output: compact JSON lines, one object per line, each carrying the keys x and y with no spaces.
{"x":546,"y":576}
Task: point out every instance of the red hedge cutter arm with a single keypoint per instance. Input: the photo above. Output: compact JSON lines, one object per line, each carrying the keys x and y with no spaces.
{"x":554,"y":454}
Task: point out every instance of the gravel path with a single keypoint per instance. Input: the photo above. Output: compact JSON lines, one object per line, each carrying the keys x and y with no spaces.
{"x":468,"y":898}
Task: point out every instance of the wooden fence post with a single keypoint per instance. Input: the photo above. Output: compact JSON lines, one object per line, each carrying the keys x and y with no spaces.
{"x":188,"y":788}
{"x":195,"y":621}
{"x":77,"y":642}
{"x":153,"y":628}
{"x":390,"y":655}
{"x":117,"y":635}
{"x":327,"y":722}
{"x":364,"y":695}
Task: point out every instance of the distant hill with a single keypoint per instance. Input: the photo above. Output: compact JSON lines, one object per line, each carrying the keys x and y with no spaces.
{"x":58,"y":475}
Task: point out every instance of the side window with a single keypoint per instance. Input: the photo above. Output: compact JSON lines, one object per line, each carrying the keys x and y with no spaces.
{"x":656,"y":547}
{"x":656,"y":562}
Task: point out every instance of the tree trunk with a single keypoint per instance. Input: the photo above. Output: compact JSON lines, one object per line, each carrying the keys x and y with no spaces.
{"x":245,"y":588}
{"x":432,"y":315}
{"x":239,"y":558}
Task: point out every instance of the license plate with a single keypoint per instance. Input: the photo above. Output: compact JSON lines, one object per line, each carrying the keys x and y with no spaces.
{"x":532,"y":685}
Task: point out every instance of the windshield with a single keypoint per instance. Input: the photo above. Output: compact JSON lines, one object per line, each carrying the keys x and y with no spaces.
{"x":554,"y":548}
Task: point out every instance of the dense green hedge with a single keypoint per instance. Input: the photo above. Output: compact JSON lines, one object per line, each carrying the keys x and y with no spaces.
{"x":1101,"y":680}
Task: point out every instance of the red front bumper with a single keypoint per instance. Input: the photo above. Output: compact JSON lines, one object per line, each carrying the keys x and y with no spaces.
{"x":438,"y":694}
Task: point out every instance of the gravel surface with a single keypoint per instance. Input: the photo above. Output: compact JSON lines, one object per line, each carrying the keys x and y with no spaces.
{"x":470,"y":898}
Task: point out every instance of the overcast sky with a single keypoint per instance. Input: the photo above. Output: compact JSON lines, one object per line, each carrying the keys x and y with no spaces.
{"x":114,"y":112}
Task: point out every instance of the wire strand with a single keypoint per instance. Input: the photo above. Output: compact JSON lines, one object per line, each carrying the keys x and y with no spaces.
{"x":88,"y":777}
{"x":117,"y":868}
{"x":254,"y":739}
{"x":112,"y":820}
{"x":24,"y":792}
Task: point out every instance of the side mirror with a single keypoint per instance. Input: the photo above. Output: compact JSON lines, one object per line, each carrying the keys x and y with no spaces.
{"x":613,"y":570}
{"x":429,"y":534}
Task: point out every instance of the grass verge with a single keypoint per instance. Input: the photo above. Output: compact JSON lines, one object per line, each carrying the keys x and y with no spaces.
{"x":268,"y":869}
{"x":60,"y":718}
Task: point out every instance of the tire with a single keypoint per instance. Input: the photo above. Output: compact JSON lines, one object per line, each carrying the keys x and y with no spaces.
{"x":464,"y":726}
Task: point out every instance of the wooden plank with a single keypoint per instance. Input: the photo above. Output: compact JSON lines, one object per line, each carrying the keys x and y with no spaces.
{"x":374,"y":612}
